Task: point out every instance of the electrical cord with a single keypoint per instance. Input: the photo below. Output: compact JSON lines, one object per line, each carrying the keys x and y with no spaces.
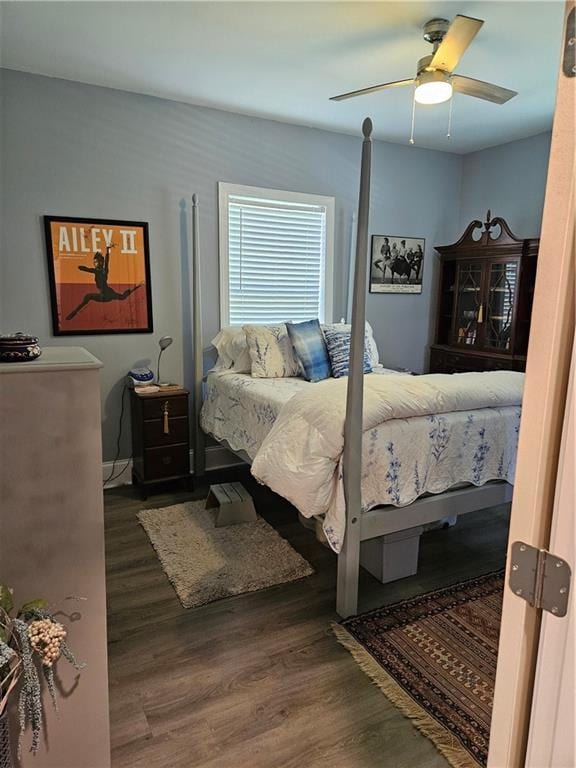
{"x":112,"y":476}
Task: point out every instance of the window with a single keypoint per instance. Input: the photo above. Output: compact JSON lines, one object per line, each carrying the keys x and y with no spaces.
{"x":276,"y":254}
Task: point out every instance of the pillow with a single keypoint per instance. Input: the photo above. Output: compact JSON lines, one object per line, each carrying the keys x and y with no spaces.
{"x":310,"y":348}
{"x":369,"y":340}
{"x":241,"y":361}
{"x":270,"y":351}
{"x":338,"y":343}
{"x":232,"y":350}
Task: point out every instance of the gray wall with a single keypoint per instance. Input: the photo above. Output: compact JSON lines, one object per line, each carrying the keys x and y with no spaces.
{"x":76,"y":150}
{"x":510,"y":180}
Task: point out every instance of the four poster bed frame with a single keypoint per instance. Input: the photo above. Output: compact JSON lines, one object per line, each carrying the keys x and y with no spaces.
{"x":383,"y":523}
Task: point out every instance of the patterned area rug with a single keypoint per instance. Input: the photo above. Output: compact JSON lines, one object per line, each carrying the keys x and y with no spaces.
{"x":205,"y":563}
{"x":434,"y":657}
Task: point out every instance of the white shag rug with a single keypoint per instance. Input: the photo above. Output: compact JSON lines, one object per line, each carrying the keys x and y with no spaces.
{"x":205,"y":563}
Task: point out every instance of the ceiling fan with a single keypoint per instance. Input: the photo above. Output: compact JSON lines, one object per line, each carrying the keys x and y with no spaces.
{"x":435,"y":80}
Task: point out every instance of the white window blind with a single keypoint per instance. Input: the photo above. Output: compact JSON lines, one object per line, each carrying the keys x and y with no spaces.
{"x":276,"y":256}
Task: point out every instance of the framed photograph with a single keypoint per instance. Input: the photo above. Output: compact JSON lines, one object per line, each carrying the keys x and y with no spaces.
{"x":99,"y":272}
{"x":396,"y":264}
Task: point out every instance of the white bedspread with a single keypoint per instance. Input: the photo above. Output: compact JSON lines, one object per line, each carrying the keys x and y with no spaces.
{"x":421,"y":434}
{"x":241,"y":409}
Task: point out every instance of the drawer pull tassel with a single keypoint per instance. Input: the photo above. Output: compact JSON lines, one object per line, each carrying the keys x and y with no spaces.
{"x":165,"y":414}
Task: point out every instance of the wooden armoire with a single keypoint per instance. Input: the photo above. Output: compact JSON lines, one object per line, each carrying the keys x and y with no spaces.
{"x":486,"y":290}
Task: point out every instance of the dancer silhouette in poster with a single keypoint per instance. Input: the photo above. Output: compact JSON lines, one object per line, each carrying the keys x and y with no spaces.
{"x":106,"y":293}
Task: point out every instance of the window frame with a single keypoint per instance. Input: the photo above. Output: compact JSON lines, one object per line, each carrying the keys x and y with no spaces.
{"x":225,"y":191}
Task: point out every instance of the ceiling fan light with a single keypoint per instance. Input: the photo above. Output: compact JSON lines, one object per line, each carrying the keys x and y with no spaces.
{"x":432,"y":88}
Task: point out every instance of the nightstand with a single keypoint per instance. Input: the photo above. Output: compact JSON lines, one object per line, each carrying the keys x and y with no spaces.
{"x":160,"y":438}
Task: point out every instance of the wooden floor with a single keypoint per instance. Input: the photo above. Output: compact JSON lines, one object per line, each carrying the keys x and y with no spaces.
{"x":259,"y":681}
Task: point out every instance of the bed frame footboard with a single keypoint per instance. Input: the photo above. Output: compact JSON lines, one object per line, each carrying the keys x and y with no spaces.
{"x":386,"y":520}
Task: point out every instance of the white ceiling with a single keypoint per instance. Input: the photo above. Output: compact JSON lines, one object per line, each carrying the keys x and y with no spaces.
{"x":283,"y":60}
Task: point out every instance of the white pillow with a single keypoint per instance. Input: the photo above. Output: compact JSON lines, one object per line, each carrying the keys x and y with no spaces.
{"x":271,"y":351}
{"x":372,"y":347}
{"x":241,"y":361}
{"x":232,"y":350}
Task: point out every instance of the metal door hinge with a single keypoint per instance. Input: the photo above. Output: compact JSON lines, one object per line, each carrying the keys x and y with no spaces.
{"x":540,"y":578}
{"x":569,"y":58}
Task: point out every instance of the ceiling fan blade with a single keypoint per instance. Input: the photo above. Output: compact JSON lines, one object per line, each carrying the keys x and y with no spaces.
{"x":482,"y":90}
{"x":372,"y":89}
{"x":459,"y":36}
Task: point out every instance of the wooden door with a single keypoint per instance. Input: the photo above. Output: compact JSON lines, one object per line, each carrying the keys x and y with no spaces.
{"x":547,"y":371}
{"x":551,"y":741}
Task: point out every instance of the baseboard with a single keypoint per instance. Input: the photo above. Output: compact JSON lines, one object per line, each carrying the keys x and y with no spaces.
{"x":217,"y":457}
{"x":123,"y":466}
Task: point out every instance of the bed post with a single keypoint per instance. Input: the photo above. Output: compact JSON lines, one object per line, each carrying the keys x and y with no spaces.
{"x":351,"y":265}
{"x":199,"y":448}
{"x":349,"y":557}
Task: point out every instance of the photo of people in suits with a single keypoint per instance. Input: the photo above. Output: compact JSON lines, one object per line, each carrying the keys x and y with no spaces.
{"x":396,"y":264}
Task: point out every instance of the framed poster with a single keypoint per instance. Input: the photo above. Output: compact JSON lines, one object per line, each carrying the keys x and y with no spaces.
{"x":396,"y":264}
{"x":99,"y":272}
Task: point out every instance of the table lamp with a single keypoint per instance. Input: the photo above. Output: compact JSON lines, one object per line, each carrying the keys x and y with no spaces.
{"x":163,"y":342}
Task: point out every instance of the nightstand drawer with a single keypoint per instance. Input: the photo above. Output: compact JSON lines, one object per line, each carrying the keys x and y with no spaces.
{"x":154,"y":434}
{"x":167,"y":461}
{"x":153,"y":407}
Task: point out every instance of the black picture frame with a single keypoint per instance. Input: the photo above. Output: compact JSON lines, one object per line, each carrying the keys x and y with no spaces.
{"x":401,"y":281}
{"x":58,"y":324}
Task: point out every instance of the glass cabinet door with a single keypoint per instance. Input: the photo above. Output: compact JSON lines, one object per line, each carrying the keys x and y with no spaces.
{"x":468,"y":315}
{"x":500,"y":303}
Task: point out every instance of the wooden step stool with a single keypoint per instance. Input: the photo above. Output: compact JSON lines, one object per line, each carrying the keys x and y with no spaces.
{"x":233,"y":502}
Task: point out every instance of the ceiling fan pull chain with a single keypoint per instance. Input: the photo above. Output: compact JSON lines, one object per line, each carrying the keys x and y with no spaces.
{"x":449,"y":134}
{"x":413,"y":119}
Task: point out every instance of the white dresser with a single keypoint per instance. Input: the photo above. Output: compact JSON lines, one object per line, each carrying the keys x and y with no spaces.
{"x":52,"y":534}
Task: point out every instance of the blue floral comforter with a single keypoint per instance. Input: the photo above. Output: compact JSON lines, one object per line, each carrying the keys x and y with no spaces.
{"x":422,"y":434}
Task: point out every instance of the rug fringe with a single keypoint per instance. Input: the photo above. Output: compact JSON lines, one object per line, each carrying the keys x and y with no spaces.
{"x":443,"y":740}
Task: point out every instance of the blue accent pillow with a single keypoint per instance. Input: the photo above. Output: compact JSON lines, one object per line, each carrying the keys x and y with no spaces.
{"x":310,"y":349}
{"x":338,"y":343}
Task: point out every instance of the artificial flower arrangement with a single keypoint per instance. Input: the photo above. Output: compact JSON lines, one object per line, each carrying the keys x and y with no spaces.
{"x":31,"y":642}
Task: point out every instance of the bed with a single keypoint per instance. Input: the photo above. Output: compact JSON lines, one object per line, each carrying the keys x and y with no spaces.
{"x":374,"y":456}
{"x":422,"y":436}
{"x":240,"y":410}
